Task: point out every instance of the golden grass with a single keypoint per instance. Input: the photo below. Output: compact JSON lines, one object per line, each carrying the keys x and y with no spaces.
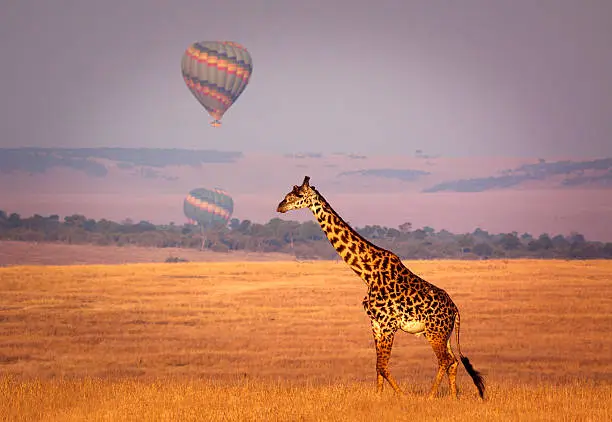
{"x":184,"y":400}
{"x":290,"y":341}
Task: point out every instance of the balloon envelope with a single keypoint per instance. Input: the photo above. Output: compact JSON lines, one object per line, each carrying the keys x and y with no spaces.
{"x":216,"y":73}
{"x":208,"y":207}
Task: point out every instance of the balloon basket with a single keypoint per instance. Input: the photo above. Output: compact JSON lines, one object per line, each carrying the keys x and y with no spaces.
{"x":215,"y":123}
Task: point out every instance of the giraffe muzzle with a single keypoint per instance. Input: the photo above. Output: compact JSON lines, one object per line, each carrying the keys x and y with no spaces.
{"x":281,"y":207}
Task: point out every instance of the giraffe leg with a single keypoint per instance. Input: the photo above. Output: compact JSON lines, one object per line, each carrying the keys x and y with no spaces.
{"x":383,"y":339}
{"x":452,"y":371}
{"x":445,"y":361}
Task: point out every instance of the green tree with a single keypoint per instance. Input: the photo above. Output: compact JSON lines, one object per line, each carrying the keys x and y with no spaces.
{"x":405,"y":227}
{"x":465,"y":240}
{"x":14,"y":220}
{"x":543,"y":242}
{"x":234,"y":224}
{"x":560,"y":242}
{"x":245,"y":227}
{"x":75,"y":220}
{"x":482,"y":249}
{"x":429,"y":230}
{"x":509,"y":241}
{"x":310,"y":230}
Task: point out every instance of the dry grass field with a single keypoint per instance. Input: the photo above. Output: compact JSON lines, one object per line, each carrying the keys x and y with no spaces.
{"x":290,"y":341}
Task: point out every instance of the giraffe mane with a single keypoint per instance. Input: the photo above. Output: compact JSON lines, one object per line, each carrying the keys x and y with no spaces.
{"x":354,"y":232}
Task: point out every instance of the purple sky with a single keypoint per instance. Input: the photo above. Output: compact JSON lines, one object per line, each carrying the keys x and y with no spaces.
{"x":470,"y":77}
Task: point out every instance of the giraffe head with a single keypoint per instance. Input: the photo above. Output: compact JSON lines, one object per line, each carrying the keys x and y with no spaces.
{"x":299,"y":197}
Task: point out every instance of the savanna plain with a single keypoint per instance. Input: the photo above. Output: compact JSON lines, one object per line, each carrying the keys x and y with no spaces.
{"x":241,"y":341}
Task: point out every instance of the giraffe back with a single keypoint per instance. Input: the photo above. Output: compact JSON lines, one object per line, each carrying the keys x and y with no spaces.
{"x":399,"y":299}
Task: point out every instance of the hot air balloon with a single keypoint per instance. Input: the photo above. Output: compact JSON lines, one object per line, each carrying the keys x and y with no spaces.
{"x":208,"y":208}
{"x":216,"y":73}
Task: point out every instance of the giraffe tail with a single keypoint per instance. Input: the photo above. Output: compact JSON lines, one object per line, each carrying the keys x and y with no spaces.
{"x":477,"y":377}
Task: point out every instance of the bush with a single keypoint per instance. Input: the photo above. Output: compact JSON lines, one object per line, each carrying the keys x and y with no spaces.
{"x":175,"y":259}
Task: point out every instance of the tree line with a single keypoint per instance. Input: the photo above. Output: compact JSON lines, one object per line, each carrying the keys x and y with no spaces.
{"x":304,"y":240}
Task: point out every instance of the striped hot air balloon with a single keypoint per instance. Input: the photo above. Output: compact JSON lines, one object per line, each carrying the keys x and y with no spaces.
{"x":208,"y":207}
{"x":216,"y":73}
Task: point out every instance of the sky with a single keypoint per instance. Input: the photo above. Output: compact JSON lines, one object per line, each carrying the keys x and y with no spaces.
{"x":452,"y":78}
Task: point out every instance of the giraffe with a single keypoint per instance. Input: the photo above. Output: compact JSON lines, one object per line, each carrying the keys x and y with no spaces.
{"x":396,"y":299}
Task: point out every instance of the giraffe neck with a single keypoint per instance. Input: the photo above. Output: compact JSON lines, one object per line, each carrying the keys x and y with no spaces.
{"x":356,"y":251}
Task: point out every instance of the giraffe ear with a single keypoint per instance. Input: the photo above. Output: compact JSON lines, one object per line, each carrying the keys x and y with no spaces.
{"x":306,"y":181}
{"x":295,"y":188}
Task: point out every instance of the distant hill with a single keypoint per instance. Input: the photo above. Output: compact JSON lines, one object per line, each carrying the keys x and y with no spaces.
{"x":573,"y":173}
{"x":91,"y":160}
